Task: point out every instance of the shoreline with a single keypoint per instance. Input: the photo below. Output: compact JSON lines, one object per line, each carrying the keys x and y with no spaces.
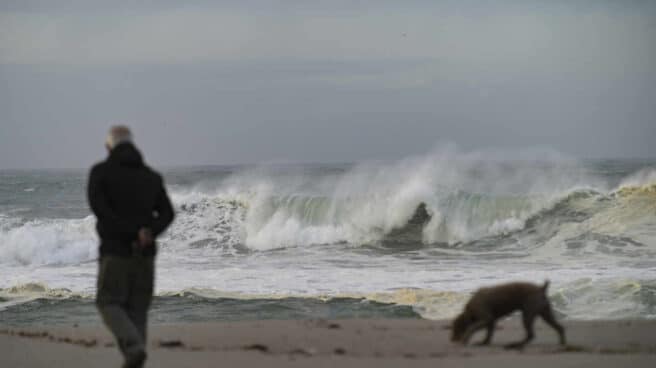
{"x":350,"y":343}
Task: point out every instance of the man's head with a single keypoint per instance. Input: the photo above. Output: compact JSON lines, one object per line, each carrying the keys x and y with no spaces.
{"x":117,"y":134}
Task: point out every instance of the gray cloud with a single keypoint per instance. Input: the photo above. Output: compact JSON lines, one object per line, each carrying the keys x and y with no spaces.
{"x":334,"y":81}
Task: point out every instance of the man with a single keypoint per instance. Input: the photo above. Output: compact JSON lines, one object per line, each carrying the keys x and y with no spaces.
{"x":132,"y":209}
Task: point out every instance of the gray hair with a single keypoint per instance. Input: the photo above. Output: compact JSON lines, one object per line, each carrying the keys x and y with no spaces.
{"x":118,"y":134}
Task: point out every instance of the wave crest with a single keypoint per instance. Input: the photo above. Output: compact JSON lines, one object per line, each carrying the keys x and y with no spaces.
{"x":48,"y":241}
{"x":466,"y":199}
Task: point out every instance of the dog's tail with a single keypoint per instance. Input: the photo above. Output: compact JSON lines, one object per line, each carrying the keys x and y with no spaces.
{"x":545,"y":286}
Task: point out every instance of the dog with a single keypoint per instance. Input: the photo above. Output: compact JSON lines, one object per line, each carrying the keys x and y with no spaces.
{"x":489,"y":304}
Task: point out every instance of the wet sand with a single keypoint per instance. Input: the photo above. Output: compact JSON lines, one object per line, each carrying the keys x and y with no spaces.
{"x":343,"y":343}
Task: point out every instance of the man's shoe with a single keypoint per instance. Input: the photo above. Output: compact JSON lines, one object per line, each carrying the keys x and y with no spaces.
{"x":135,"y":360}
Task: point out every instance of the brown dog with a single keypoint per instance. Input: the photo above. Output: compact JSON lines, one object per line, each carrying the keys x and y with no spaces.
{"x":487,"y":305}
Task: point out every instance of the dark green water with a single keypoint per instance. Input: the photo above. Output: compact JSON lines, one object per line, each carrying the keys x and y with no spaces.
{"x":192,"y":308}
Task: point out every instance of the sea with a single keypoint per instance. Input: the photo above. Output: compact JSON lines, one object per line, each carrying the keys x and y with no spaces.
{"x":410,"y":238}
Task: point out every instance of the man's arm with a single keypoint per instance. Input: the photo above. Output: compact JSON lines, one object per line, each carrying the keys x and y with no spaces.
{"x":97,"y":198}
{"x":164,"y":211}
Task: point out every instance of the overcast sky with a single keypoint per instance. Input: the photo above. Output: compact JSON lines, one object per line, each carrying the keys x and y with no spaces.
{"x":224,"y":82}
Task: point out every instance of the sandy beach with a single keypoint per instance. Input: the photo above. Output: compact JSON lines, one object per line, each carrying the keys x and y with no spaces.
{"x":347,"y":343}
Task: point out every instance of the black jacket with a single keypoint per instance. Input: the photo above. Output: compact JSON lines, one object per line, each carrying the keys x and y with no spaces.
{"x":126,"y":195}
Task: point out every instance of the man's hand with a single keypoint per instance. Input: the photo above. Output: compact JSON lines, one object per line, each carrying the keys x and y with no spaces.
{"x":145,"y":237}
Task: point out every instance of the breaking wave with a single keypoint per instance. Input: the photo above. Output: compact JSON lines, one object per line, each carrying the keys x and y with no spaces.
{"x":430,"y":202}
{"x":47,"y":241}
{"x":445,"y":199}
{"x":464,"y":197}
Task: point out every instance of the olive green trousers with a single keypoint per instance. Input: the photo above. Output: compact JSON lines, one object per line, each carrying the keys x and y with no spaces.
{"x":124,"y":293}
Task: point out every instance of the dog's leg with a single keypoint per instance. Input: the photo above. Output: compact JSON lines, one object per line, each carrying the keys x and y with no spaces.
{"x":488,"y":336}
{"x":472,"y":329}
{"x":527,"y":318}
{"x":548,"y":317}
